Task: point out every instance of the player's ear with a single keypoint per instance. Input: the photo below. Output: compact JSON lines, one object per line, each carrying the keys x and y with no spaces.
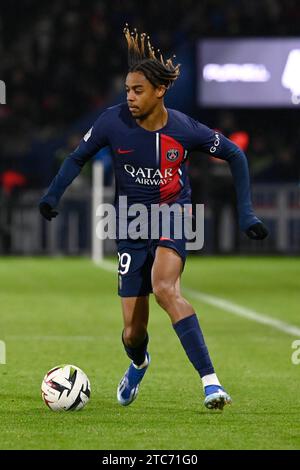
{"x":161,"y":91}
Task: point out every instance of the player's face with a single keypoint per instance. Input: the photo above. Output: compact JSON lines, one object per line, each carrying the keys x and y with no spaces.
{"x":142,"y":96}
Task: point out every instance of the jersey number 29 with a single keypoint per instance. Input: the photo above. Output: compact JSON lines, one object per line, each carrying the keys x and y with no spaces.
{"x":124,"y":263}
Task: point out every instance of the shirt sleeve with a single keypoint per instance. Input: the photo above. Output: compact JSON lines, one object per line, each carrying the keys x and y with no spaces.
{"x":215,"y":144}
{"x":95,"y":139}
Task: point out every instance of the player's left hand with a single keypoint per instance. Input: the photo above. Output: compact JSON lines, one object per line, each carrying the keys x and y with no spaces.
{"x":257,"y":231}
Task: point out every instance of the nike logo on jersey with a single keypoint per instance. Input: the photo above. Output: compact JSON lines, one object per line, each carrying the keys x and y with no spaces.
{"x":120,"y":151}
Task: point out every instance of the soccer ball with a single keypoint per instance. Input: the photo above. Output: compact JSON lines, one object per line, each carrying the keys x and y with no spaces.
{"x":66,"y":388}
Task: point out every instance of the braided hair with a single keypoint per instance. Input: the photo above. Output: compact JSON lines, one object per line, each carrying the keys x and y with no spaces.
{"x":142,"y":58}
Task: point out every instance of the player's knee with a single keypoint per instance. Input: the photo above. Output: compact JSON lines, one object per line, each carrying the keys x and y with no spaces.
{"x":163,"y":292}
{"x":133,"y":336}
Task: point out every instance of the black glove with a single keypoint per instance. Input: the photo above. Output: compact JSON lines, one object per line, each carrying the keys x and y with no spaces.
{"x":47,"y":211}
{"x":257,"y":231}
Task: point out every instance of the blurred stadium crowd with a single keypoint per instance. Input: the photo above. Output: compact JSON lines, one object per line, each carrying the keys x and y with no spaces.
{"x":63,"y":59}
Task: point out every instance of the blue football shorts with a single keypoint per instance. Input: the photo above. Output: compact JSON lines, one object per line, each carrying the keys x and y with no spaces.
{"x":136,"y":259}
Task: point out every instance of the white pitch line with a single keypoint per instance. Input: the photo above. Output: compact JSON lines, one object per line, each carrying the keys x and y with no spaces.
{"x":107,"y":266}
{"x":228,"y":306}
{"x":244,"y":312}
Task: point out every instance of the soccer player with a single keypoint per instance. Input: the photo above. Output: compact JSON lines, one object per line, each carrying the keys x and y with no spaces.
{"x":150,"y":144}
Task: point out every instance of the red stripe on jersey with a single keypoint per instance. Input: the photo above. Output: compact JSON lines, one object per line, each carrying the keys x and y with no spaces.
{"x":171,"y":157}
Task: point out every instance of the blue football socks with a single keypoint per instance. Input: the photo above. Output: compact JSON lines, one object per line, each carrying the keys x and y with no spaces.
{"x":189,"y":332}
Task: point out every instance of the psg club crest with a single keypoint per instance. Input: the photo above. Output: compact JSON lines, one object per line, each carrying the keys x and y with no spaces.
{"x":172,"y":155}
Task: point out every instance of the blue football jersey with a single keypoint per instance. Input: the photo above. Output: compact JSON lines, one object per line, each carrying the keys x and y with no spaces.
{"x":150,"y":166}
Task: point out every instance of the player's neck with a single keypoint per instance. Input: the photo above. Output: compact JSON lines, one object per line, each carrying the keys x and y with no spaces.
{"x":154,"y":121}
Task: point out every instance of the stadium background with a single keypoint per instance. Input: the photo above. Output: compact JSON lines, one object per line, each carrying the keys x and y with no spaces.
{"x":62,"y":63}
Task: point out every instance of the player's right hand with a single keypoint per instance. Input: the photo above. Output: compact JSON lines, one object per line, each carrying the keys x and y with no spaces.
{"x":47,"y":211}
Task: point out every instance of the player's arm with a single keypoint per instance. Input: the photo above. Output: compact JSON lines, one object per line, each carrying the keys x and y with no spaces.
{"x":215,"y":144}
{"x":91,"y":143}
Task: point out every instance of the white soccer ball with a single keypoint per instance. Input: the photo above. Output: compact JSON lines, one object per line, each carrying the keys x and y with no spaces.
{"x":66,"y":388}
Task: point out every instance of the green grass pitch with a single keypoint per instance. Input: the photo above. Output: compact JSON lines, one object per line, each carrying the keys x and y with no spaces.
{"x":57,"y":311}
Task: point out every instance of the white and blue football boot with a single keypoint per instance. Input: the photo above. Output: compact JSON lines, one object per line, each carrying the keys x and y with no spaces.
{"x":129,"y":386}
{"x":216,"y":397}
